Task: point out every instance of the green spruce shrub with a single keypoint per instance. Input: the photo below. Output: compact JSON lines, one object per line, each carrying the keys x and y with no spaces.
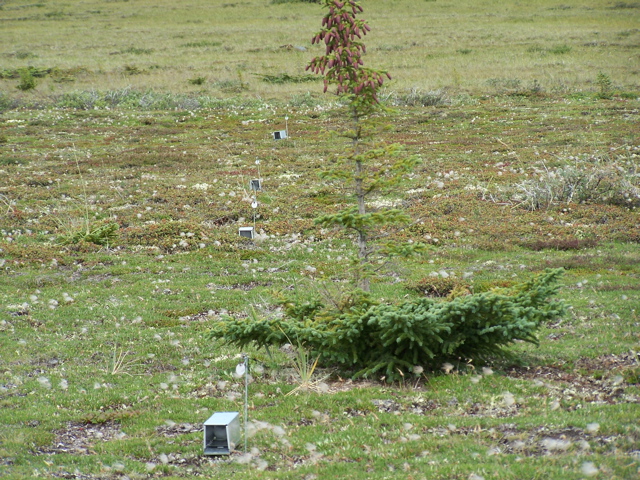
{"x":367,"y":338}
{"x":605,"y":86}
{"x":99,"y":235}
{"x":27,"y":80}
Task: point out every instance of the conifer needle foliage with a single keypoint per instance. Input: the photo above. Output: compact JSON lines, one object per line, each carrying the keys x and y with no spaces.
{"x":390,"y":340}
{"x":367,"y":168}
{"x":99,"y":235}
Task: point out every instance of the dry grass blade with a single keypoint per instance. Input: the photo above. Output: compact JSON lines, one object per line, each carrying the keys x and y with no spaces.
{"x":10,"y":205}
{"x":305,"y":369}
{"x":119,"y":363}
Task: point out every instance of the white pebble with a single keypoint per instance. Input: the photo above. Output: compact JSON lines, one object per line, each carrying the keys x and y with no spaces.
{"x":593,"y":427}
{"x":44,"y":381}
{"x":244,"y":458}
{"x":508,"y":399}
{"x":589,"y":469}
{"x":233,"y":396}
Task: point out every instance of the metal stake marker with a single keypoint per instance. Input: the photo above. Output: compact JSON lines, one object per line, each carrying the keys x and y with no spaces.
{"x":254,"y":205}
{"x":246,"y":397}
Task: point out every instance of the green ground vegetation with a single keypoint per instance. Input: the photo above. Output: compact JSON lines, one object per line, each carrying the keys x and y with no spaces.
{"x":107,"y":368}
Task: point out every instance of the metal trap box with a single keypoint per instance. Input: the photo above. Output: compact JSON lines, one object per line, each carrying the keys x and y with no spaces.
{"x":246,"y":232}
{"x":256,"y":184}
{"x":221,"y":433}
{"x":280,"y":135}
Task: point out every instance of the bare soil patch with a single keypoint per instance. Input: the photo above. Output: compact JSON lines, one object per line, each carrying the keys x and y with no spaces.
{"x":545,"y":441}
{"x":569,"y":385}
{"x":178,"y":429}
{"x":79,"y":438}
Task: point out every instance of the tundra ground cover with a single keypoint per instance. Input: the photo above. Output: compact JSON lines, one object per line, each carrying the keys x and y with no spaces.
{"x":106,"y":370}
{"x":105,"y":367}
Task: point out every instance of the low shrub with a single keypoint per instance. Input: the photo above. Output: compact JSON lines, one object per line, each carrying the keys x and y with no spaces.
{"x":201,"y":43}
{"x":99,"y":235}
{"x":418,"y":98}
{"x":563,"y":244}
{"x":304,"y":100}
{"x":108,"y":416}
{"x":277,"y":2}
{"x":197,"y":81}
{"x":37,"y":72}
{"x":560,"y":49}
{"x":438,"y":286}
{"x":599,"y":179}
{"x":27,"y":80}
{"x":368,"y":338}
{"x":85,"y":100}
{"x":282,"y":78}
{"x":605,"y":86}
{"x":167,"y":236}
{"x":5,"y":102}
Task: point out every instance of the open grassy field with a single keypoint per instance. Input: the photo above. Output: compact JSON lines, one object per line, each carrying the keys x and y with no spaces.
{"x":150,"y":116}
{"x":217,"y":48}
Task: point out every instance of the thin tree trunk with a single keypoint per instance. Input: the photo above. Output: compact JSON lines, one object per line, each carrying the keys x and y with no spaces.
{"x":362,"y":209}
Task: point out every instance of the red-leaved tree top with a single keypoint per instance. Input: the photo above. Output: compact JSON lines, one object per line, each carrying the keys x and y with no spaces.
{"x":342,"y":63}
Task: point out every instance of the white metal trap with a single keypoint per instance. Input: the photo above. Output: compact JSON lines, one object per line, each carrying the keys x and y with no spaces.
{"x":221,"y":433}
{"x":247,"y":232}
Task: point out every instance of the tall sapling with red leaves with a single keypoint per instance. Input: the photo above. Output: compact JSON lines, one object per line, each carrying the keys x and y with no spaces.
{"x":367,"y":168}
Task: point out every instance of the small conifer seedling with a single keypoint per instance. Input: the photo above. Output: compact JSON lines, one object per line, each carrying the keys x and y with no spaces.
{"x":367,"y":168}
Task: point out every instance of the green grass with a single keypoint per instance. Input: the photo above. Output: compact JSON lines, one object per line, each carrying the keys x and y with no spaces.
{"x":105,"y":370}
{"x":449,"y":44}
{"x":124,"y":325}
